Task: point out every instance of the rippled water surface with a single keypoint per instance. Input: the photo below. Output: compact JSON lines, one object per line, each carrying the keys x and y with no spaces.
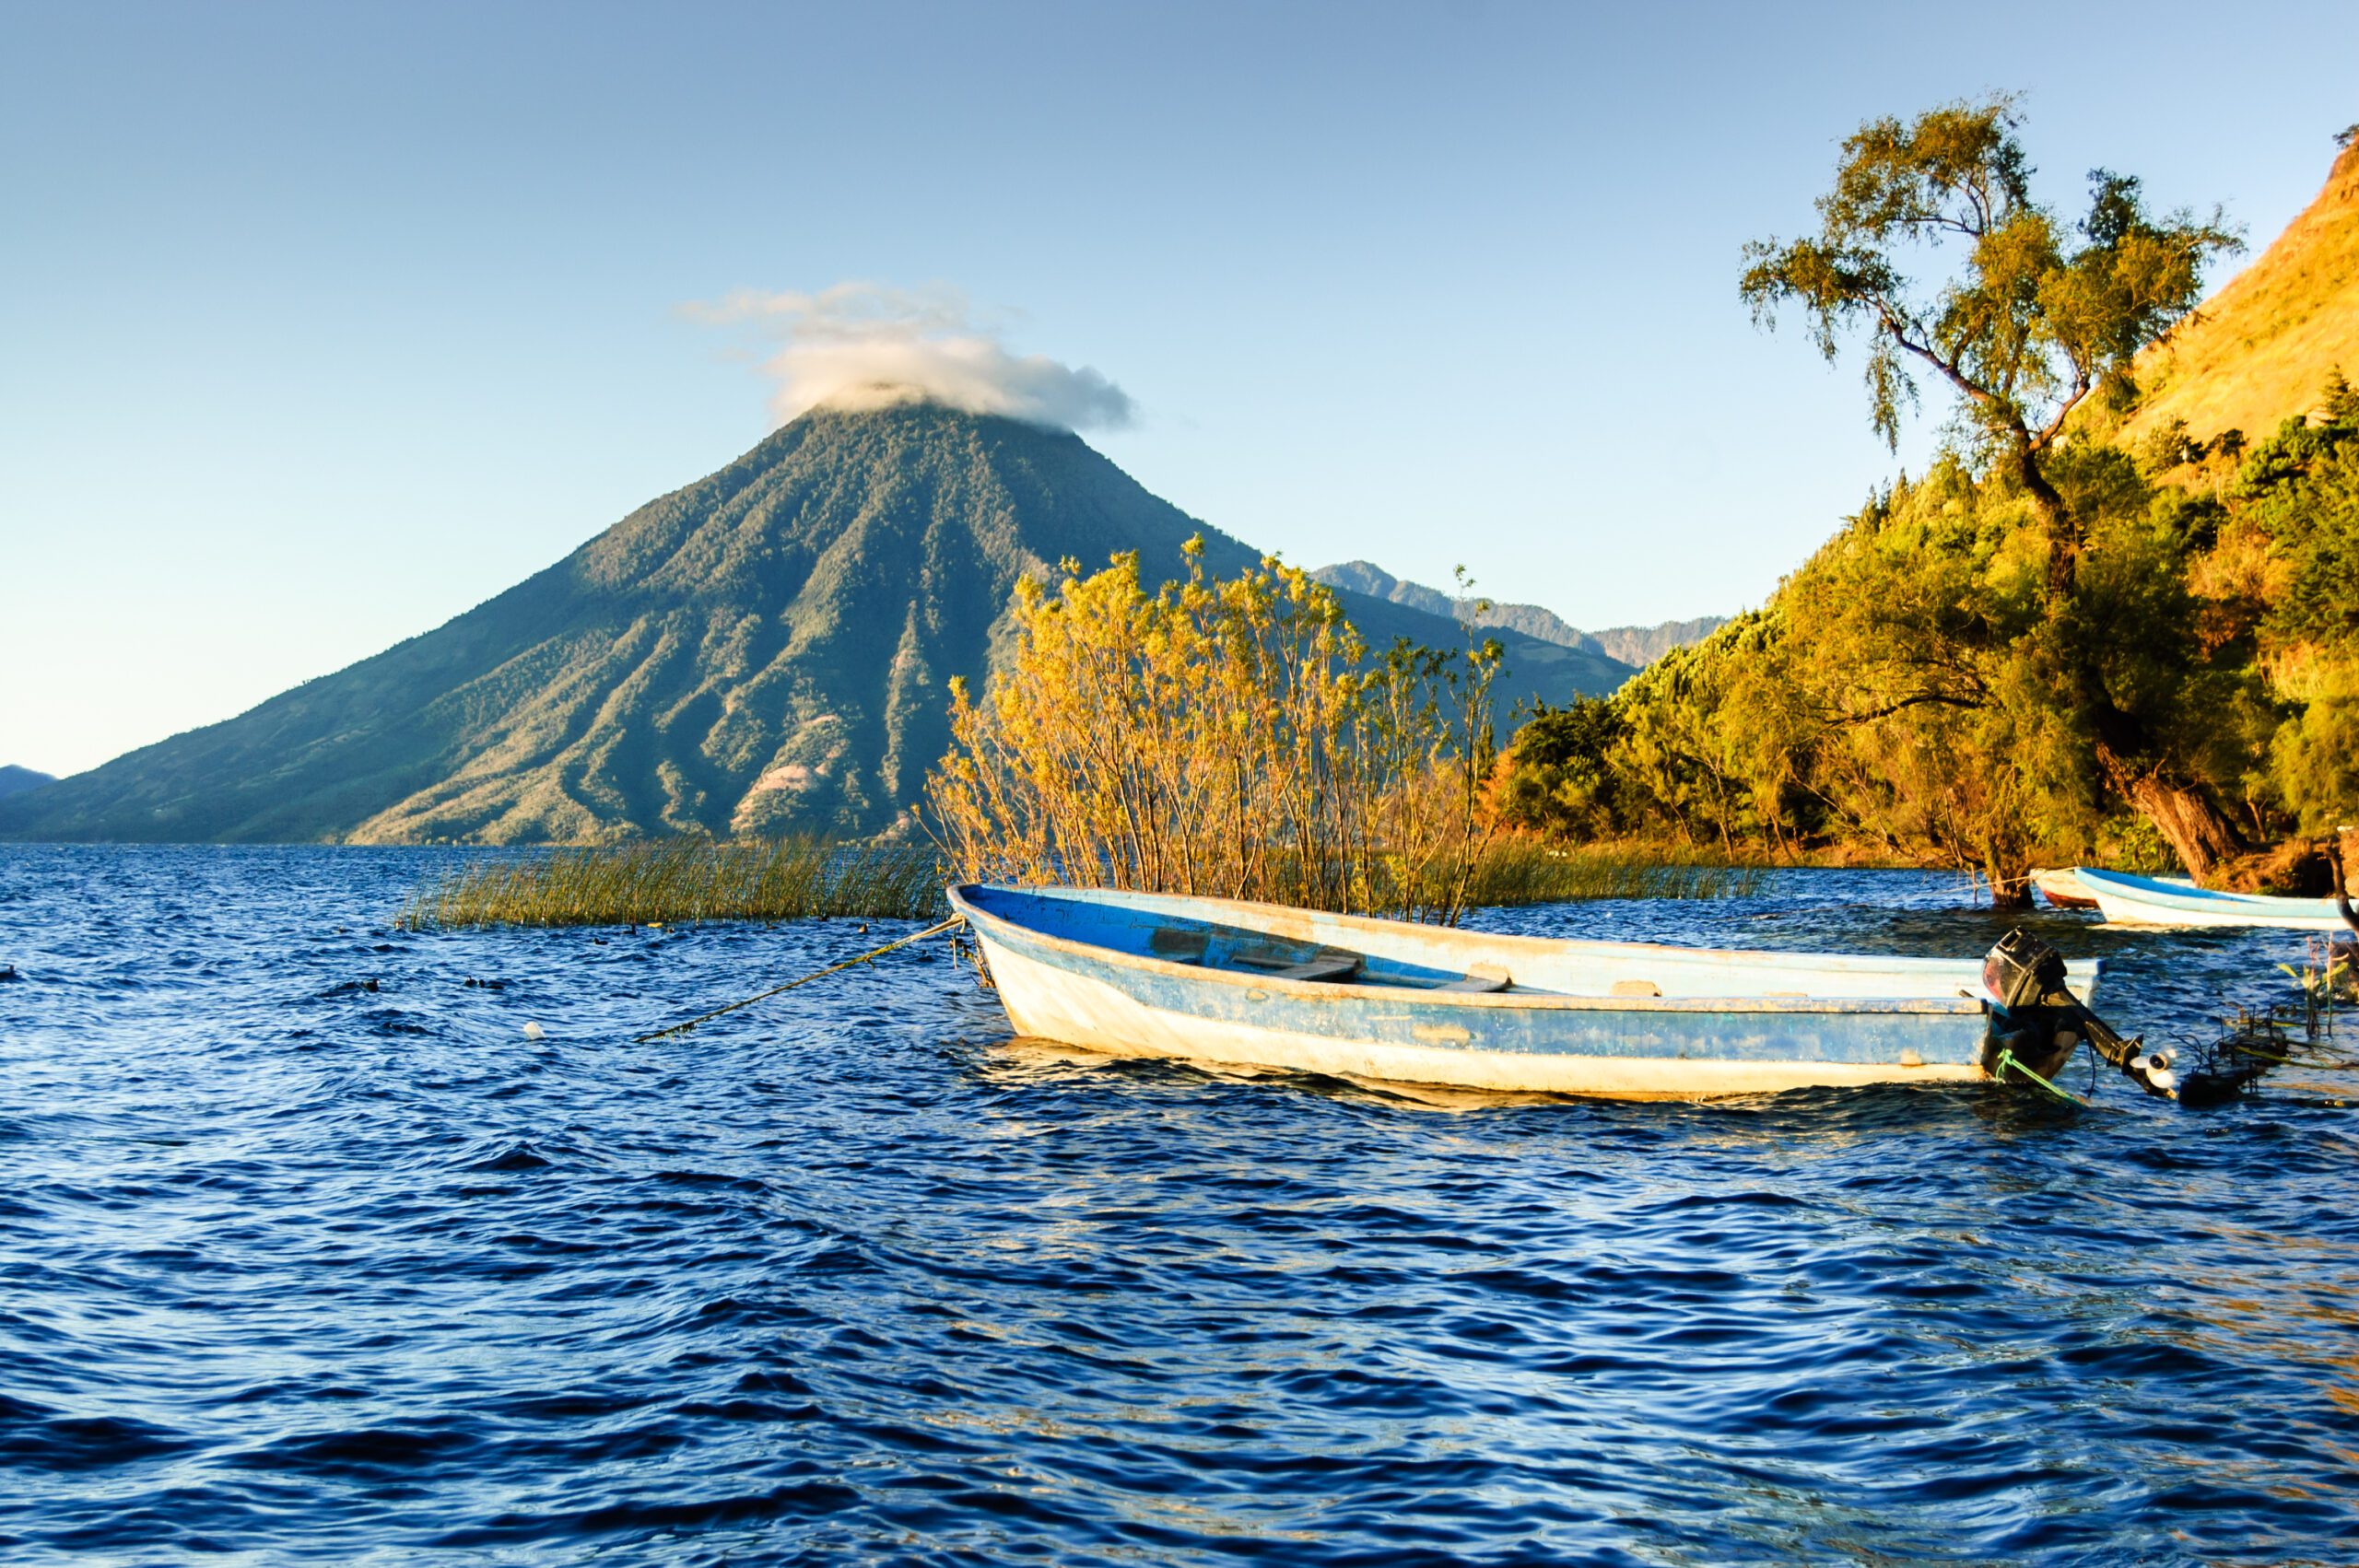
{"x":309,"y":1252}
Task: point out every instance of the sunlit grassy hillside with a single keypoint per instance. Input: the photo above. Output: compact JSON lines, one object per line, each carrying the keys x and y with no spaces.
{"x":2266,"y":343}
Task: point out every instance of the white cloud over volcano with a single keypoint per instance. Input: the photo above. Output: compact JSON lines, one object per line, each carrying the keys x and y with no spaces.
{"x":868,"y":345}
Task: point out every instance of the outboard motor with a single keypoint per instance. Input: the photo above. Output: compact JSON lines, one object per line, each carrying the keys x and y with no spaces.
{"x":2037,"y":1021}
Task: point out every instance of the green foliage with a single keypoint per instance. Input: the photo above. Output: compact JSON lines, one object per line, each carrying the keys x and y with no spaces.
{"x":1980,"y":687}
{"x":2168,"y":445}
{"x":2314,"y":759}
{"x":2027,"y":318}
{"x":1908,"y":693}
{"x":2130,"y":843}
{"x":2040,"y":642}
{"x":2340,"y":404}
{"x":1560,"y":777}
{"x":1660,"y":759}
{"x":1710,"y":779}
{"x":2031,"y":316}
{"x":2284,"y":576}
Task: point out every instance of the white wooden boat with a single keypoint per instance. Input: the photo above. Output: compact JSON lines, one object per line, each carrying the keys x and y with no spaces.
{"x":2146,"y":901}
{"x":1259,"y":985}
{"x":2065,"y":890}
{"x":2062,"y":888}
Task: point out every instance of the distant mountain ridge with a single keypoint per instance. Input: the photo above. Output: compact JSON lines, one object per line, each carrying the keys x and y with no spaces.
{"x":766,"y":650}
{"x":1634,"y":646}
{"x":15,"y":780}
{"x":1642,"y":646}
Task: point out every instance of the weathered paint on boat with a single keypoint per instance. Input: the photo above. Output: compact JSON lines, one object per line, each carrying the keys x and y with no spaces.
{"x":1081,"y":966}
{"x":2145,"y":901}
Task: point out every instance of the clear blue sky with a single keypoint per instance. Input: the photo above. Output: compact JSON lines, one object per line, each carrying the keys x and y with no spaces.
{"x":320,"y":323}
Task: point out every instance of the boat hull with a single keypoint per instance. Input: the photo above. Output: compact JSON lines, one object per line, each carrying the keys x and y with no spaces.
{"x":2142,"y":901}
{"x":1051,"y":1002}
{"x":1677,"y":1048}
{"x":2063,"y":889}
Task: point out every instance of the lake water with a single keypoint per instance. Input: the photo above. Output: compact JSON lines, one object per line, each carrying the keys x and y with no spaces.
{"x":309,"y":1254}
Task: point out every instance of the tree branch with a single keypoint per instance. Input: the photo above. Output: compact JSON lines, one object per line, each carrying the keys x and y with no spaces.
{"x":2082,"y":385}
{"x":1921,"y":701}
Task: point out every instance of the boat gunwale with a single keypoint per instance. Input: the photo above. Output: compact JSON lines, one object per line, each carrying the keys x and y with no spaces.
{"x":1524,"y":1001}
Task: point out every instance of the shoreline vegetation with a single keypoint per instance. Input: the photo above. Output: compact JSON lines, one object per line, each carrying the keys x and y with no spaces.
{"x":1236,"y":738}
{"x":1229,"y":738}
{"x":682,"y":880}
{"x":2055,"y":646}
{"x":689,"y":880}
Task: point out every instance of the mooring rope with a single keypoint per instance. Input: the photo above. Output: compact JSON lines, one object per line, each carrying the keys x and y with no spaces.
{"x":2008,"y":1058}
{"x":815,"y":975}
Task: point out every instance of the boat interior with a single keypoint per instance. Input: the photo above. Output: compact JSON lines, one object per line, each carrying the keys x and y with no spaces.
{"x":1217,"y":946}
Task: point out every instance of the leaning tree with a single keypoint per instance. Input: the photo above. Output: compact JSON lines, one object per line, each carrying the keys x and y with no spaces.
{"x":1931,"y":247}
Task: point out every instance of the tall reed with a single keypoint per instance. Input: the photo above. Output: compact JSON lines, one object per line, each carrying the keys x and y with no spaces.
{"x":681,"y":880}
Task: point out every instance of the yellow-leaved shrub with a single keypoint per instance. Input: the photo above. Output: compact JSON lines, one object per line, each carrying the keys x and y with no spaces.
{"x":1233,"y":738}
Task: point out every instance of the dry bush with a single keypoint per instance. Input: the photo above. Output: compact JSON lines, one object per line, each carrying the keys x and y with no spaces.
{"x":1231,"y":738}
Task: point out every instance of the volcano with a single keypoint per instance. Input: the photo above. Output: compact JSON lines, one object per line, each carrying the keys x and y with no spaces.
{"x":765,"y":651}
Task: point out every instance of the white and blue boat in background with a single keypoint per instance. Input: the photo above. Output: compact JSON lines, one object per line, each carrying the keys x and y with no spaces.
{"x":1240,"y":985}
{"x":2147,"y":901}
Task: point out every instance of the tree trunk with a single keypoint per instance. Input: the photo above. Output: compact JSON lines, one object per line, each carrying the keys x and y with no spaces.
{"x":2010,"y":880}
{"x":2055,"y":520}
{"x":2198,"y":831}
{"x":2011,"y":892}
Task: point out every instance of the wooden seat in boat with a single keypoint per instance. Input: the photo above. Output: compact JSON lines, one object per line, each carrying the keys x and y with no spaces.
{"x":1327,"y":967}
{"x":1331,"y":964}
{"x":1336,"y":966}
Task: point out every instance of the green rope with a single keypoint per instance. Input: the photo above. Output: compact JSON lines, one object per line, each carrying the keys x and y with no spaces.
{"x":815,"y":975}
{"x":2007,"y":1059}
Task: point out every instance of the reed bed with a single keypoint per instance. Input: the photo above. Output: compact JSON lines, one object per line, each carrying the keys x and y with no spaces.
{"x":686,"y":881}
{"x":682,"y":882}
{"x":1520,"y":869}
